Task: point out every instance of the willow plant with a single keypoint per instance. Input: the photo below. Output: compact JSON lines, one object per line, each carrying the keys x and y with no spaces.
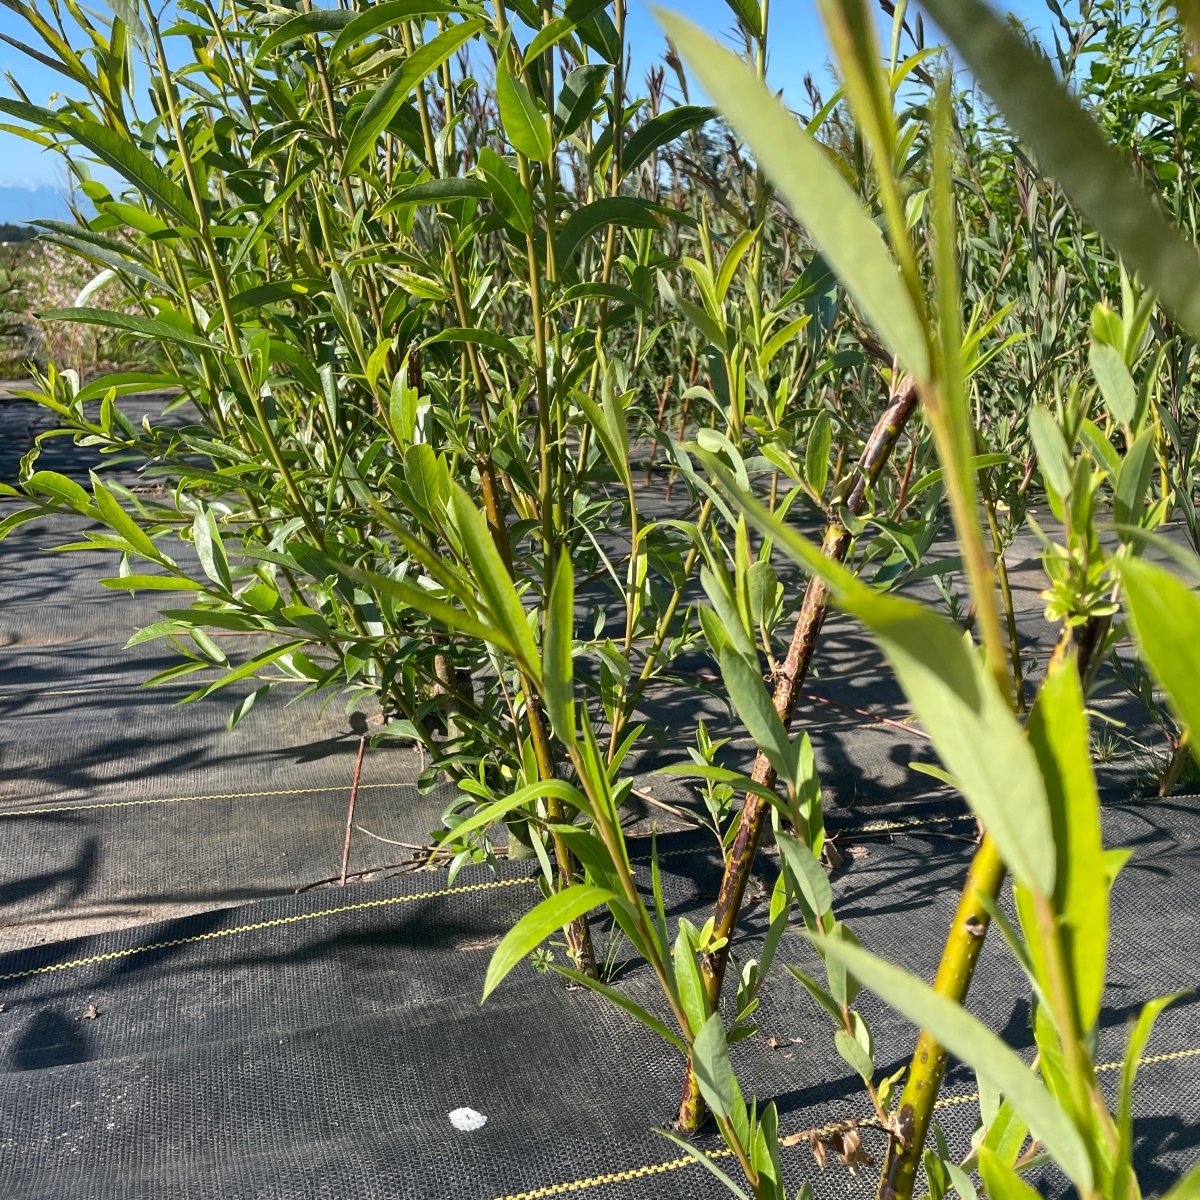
{"x":424,"y":272}
{"x":964,"y":697}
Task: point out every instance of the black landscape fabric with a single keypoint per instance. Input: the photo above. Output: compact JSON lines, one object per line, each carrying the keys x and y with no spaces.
{"x":315,"y":1046}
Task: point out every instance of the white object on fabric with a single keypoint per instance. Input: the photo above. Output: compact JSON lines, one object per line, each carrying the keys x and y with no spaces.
{"x":467,"y":1119}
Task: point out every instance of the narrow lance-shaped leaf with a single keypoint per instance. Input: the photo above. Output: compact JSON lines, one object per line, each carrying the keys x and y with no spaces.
{"x":122,"y":523}
{"x":553,"y":913}
{"x":318,"y":20}
{"x":1116,"y":384}
{"x":378,"y":17}
{"x":1058,"y":732}
{"x":524,"y":123}
{"x":210,"y":549}
{"x":814,"y":190}
{"x":382,"y":106}
{"x":133,"y":165}
{"x":809,"y":875}
{"x":1051,"y":449}
{"x":1166,"y":625}
{"x":1001,"y":1181}
{"x":659,"y":131}
{"x":558,"y":676}
{"x":749,"y":697}
{"x":714,"y":1072}
{"x":629,"y":212}
{"x":145,"y":327}
{"x":973,"y":1042}
{"x":495,"y":585}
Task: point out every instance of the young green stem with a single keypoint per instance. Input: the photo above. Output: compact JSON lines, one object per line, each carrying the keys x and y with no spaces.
{"x":928,"y":1065}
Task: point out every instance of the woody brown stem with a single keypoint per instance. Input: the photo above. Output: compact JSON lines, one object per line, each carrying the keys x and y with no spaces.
{"x":753,"y":817}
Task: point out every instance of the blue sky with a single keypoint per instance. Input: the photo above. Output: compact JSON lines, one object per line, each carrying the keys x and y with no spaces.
{"x":797,"y":47}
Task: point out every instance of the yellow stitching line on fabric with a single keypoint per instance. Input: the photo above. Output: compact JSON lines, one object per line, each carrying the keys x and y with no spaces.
{"x":675,"y":1164}
{"x":912,"y":823}
{"x":33,"y":812}
{"x":274,"y":923}
{"x":278,"y":921}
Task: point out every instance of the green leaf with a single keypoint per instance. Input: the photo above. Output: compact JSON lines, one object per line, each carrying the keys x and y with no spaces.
{"x":1166,"y":625}
{"x":813,"y":188}
{"x":854,"y":1055}
{"x":818,"y":993}
{"x":629,"y":212}
{"x":972,"y":728}
{"x":693,"y":999}
{"x":386,"y":101}
{"x":547,"y":36}
{"x":621,"y":1000}
{"x":266,"y":217}
{"x":137,"y":168}
{"x":14,"y":520}
{"x":427,"y":478}
{"x":970,"y":1040}
{"x":378,"y":17}
{"x":426,"y":602}
{"x":480,"y":337}
{"x":816,"y":453}
{"x":249,"y":668}
{"x":494,"y":583}
{"x":749,"y":698}
{"x":714,"y":1072}
{"x":704,"y":1158}
{"x":1052,"y":452}
{"x":1139,"y":1035}
{"x":492,"y":814}
{"x":121,"y":523}
{"x":319,"y":20}
{"x":210,"y":549}
{"x":1058,"y":733}
{"x":278,"y":292}
{"x":558,"y":672}
{"x":1069,"y":146}
{"x":61,"y":488}
{"x":808,"y":874}
{"x":553,"y":913}
{"x":1133,"y":478}
{"x":581,"y":91}
{"x":437,"y":191}
{"x":1188,"y":1188}
{"x":611,"y":437}
{"x":1116,"y":384}
{"x":1000,"y":1180}
{"x":504,"y":187}
{"x":762,"y":586}
{"x":660,"y":130}
{"x":747,"y":12}
{"x":524,"y":123}
{"x":146,"y":327}
{"x":151,"y":583}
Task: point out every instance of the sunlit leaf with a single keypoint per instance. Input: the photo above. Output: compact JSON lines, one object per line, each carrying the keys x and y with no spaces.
{"x":551,"y":915}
